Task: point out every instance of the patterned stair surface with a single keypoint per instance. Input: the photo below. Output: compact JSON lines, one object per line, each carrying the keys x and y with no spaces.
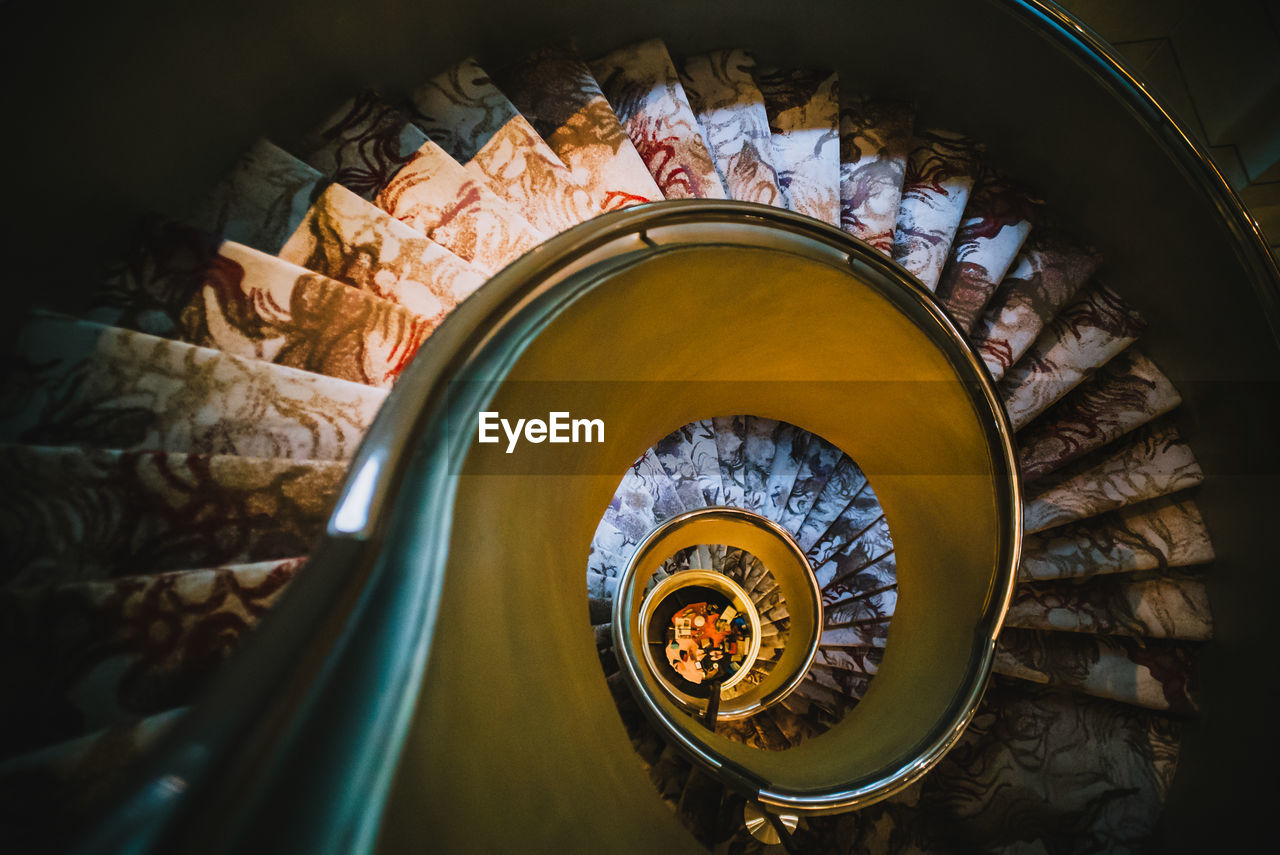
{"x":172,"y":457}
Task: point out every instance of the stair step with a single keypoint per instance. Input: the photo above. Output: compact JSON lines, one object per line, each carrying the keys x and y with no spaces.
{"x":861,"y":661}
{"x":1154,"y":462}
{"x":1015,"y":774}
{"x":1164,"y":532}
{"x":860,"y":528}
{"x":793,"y":728}
{"x":856,"y":635}
{"x":263,"y":200}
{"x":438,"y":197}
{"x":644,"y":497}
{"x":275,"y":203}
{"x":1050,"y":270}
{"x":601,"y":586}
{"x":78,"y":515}
{"x":849,"y":684}
{"x":769,"y":604}
{"x":820,"y":460}
{"x":941,"y":169}
{"x":824,"y":691}
{"x":555,"y":90}
{"x":735,"y":565}
{"x":875,"y":138}
{"x":99,"y":653}
{"x":1170,"y":605}
{"x":1085,"y":335}
{"x":473,"y":121}
{"x":1125,"y":394}
{"x":731,"y":112}
{"x":851,"y":573}
{"x":757,"y":574}
{"x":363,"y":144}
{"x":758,"y":451}
{"x":1149,"y":674}
{"x":862,"y":607}
{"x":803,"y":106}
{"x":351,"y":240}
{"x":689,"y":457}
{"x":82,"y":383}
{"x":996,"y":224}
{"x":650,"y":476}
{"x":183,"y":284}
{"x":642,"y":84}
{"x":731,"y":440}
{"x":767,"y":731}
{"x":789,"y":446}
{"x":871,"y":550}
{"x":846,"y":483}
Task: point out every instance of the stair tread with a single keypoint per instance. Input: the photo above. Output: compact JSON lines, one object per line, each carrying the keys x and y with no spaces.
{"x":470,"y":118}
{"x":1096,"y":326}
{"x":98,"y":653}
{"x":180,"y":283}
{"x":351,"y":240}
{"x":1169,"y":605}
{"x":860,"y":527}
{"x":851,"y":573}
{"x":731,"y":438}
{"x":275,"y":203}
{"x":82,"y":514}
{"x":1007,"y":781}
{"x":1152,"y":462}
{"x":462,"y":109}
{"x":262,"y":200}
{"x":862,"y":607}
{"x":644,"y":496}
{"x":1160,"y":533}
{"x":641,"y":83}
{"x":850,"y":685}
{"x":846,"y":483}
{"x":875,"y":137}
{"x":82,"y":383}
{"x":820,"y":460}
{"x":689,"y":457}
{"x":1125,"y":394}
{"x":864,"y":661}
{"x":870,"y":551}
{"x":438,"y":197}
{"x":731,"y":112}
{"x":758,"y":450}
{"x":941,"y":169}
{"x":1149,"y":674}
{"x":363,"y":144}
{"x":789,"y":446}
{"x":996,"y":224}
{"x":804,"y":125}
{"x":555,"y":90}
{"x":856,"y":635}
{"x":1045,"y":276}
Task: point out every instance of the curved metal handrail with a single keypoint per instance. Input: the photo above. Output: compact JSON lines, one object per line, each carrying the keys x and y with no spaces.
{"x":631,"y":581}
{"x":337,"y":666}
{"x":316,"y":637}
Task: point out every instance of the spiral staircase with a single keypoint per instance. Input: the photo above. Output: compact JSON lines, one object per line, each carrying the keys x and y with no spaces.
{"x":239,"y":404}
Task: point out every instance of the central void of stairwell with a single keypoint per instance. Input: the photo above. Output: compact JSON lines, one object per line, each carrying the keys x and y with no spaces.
{"x":788,"y":531}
